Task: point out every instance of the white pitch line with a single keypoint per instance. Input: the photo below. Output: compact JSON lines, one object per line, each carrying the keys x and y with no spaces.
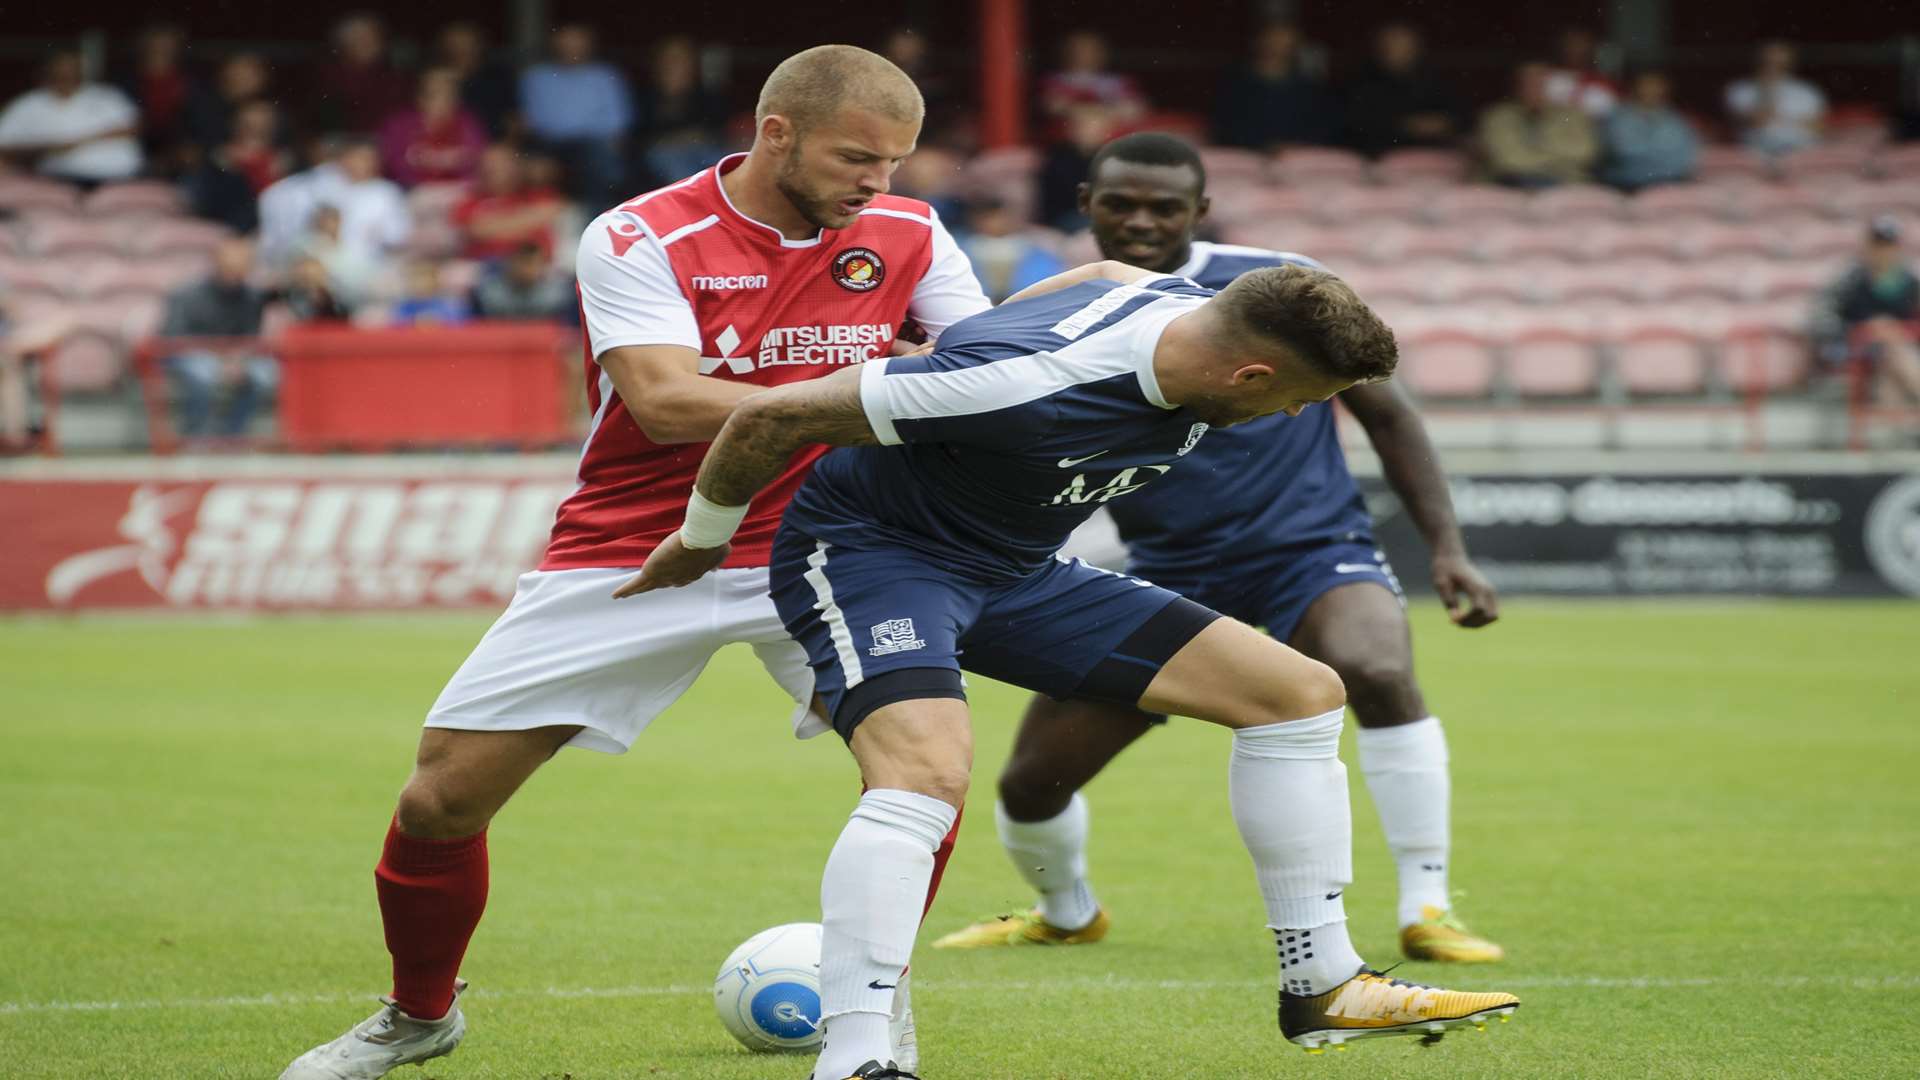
{"x":1518,"y":982}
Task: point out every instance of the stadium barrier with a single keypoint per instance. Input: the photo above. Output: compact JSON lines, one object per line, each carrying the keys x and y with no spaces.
{"x":342,"y":533}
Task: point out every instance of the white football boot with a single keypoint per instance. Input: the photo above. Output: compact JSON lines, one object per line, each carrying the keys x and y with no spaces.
{"x":384,"y":1041}
{"x":906,"y":1047}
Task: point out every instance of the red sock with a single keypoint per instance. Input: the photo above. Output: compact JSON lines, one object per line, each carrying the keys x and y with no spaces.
{"x":431,"y":895}
{"x":940,"y":856}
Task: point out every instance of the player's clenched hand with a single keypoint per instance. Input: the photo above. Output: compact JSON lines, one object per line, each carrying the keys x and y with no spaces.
{"x":1458,"y":583}
{"x":903,"y":347}
{"x":672,"y":565}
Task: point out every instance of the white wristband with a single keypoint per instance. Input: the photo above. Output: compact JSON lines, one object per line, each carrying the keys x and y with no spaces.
{"x":709,"y":524}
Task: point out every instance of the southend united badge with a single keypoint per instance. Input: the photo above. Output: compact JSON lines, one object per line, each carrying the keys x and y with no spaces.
{"x":858,"y":270}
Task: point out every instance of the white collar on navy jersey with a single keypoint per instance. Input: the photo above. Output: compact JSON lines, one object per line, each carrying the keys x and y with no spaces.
{"x":1198,"y":255}
{"x":724,"y":167}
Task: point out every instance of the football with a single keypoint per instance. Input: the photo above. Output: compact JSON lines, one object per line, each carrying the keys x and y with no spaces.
{"x":768,"y":991}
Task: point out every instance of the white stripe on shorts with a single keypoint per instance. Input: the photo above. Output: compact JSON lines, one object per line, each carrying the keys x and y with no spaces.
{"x":836,"y":622}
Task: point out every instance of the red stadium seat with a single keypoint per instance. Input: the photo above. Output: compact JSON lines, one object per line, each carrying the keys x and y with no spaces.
{"x":1714,"y":281}
{"x":1658,"y":350}
{"x":1696,"y":240}
{"x":1551,"y":353}
{"x":1319,"y":166}
{"x":1577,"y":202}
{"x":1446,"y":357}
{"x":1504,"y":242}
{"x":1718,"y":163}
{"x":1336,"y":247}
{"x":1678,"y":201}
{"x":1265,"y":205}
{"x":1765,"y":353}
{"x":134,"y":197}
{"x":1421,"y":167}
{"x":1820,"y":240}
{"x":23,"y":194}
{"x":66,"y":275}
{"x":1775,"y":203}
{"x":179,"y":235}
{"x":86,"y":362}
{"x":1827,"y":159}
{"x":62,"y":235}
{"x":1228,"y":162}
{"x":1477,"y":203}
{"x":1900,"y":162}
{"x":1590,"y":282}
{"x":1792,"y":282}
{"x":1604,"y":241}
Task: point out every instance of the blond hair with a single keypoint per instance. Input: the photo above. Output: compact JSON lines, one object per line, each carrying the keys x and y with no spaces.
{"x":809,"y":87}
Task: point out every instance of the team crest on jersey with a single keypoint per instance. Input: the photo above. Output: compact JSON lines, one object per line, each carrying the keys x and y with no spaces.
{"x":858,"y":269}
{"x":1193,"y":440}
{"x":895,"y":635}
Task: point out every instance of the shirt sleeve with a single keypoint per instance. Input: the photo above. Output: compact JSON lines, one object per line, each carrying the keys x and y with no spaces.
{"x":948,"y":292}
{"x":627,"y":288}
{"x":911,"y":399}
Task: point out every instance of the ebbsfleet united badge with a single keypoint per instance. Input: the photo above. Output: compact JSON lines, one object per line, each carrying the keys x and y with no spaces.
{"x":858,"y":269}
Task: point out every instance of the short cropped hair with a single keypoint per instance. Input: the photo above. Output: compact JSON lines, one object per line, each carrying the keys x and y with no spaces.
{"x":1316,"y":315}
{"x":1149,"y":148}
{"x":810,"y":86}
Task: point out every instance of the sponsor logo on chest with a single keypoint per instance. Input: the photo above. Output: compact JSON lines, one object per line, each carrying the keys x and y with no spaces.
{"x":782,"y":346}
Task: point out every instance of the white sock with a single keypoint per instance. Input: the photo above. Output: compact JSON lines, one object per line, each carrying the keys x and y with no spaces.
{"x":1289,"y":796}
{"x":1406,"y":771}
{"x":871,"y":899}
{"x":1052,"y":856}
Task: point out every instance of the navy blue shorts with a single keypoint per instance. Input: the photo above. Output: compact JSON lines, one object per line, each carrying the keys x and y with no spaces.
{"x":1067,"y":630}
{"x":1276,"y":592}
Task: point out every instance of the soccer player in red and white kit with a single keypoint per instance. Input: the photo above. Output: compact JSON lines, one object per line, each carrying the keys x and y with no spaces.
{"x":785,"y":263}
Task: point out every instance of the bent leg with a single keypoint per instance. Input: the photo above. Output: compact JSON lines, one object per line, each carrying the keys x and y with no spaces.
{"x":1286,"y":785}
{"x":1361,"y":630}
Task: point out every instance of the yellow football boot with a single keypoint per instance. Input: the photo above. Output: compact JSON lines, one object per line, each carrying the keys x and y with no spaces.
{"x":1441,"y":937}
{"x":1024,"y":929}
{"x":1371,"y":1005}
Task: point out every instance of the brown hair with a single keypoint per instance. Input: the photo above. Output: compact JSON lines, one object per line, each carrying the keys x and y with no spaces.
{"x":810,"y":86}
{"x":1315,"y":315}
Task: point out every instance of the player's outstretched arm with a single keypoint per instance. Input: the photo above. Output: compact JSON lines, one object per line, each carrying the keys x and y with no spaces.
{"x":1107,"y":270}
{"x":662,"y":388}
{"x":1412,"y":468}
{"x":750,"y":452}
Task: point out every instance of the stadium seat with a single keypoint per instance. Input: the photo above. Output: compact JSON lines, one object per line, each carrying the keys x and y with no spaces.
{"x":1901,"y":162}
{"x":85,"y":362}
{"x":1458,"y":243}
{"x":1717,"y":281}
{"x":1576,"y":202}
{"x":1501,"y":283}
{"x":64,"y":235}
{"x":1606,"y":241}
{"x":1764,"y":352}
{"x":1318,"y":166}
{"x":1500,"y":242}
{"x":1421,"y":167}
{"x":1697,"y":240}
{"x":24,"y":194}
{"x":65,"y":275}
{"x":1336,"y":247}
{"x":1446,"y":355}
{"x":1551,"y":353}
{"x":1820,"y":240}
{"x":134,"y":197}
{"x":1678,"y":201}
{"x":1365,"y":205}
{"x":1477,"y":203}
{"x":1264,"y":205}
{"x":1658,"y":350}
{"x":1774,"y":203}
{"x":1793,"y":282}
{"x":177,"y":235}
{"x":1229,"y":162}
{"x":1597,"y":281}
{"x":1720,"y":163}
{"x":1828,"y":159}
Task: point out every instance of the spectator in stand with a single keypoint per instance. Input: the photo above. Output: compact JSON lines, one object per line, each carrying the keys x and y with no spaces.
{"x":350,"y":273}
{"x":1004,"y":258}
{"x":224,"y":306}
{"x":374,"y":219}
{"x":490,"y":91}
{"x":426,"y":302}
{"x":255,"y":150}
{"x":1647,"y":141}
{"x":359,"y":88}
{"x":1065,"y":166}
{"x":503,"y":213}
{"x":1271,"y":101}
{"x":1870,"y":315}
{"x":524,"y":286}
{"x":72,"y":129}
{"x":679,"y":124}
{"x":1083,"y":80}
{"x":946,"y":117}
{"x":1530,"y":142}
{"x":435,"y":141}
{"x":213,"y":191}
{"x":1776,"y":112}
{"x":580,"y":110}
{"x":309,"y":297}
{"x":211,"y":114}
{"x":287,"y":207}
{"x":1399,"y":103}
{"x":932,"y":175}
{"x":160,"y":86}
{"x":1577,"y":80}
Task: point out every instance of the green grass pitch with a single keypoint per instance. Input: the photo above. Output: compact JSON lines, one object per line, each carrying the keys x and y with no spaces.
{"x":1696,"y":828}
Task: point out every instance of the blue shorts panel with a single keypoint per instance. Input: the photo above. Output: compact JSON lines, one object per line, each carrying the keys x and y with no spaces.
{"x":1048,"y":632}
{"x":1276,"y":592}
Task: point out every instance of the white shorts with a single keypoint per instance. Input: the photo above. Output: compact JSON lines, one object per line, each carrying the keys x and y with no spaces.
{"x":566,"y":653}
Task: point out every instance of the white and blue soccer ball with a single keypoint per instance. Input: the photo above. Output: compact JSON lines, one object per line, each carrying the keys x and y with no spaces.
{"x":768,"y":991}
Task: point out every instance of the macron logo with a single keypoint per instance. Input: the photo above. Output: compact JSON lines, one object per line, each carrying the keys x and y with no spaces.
{"x":729,"y":282}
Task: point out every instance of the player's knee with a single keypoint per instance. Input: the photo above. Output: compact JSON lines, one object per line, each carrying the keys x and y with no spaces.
{"x":1375,"y":676}
{"x":1313,"y":690}
{"x":438,"y":811}
{"x":946,"y":783}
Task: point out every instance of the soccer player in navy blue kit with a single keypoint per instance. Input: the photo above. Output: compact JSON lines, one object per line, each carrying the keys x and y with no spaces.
{"x":929,"y":543}
{"x":1266,"y":525}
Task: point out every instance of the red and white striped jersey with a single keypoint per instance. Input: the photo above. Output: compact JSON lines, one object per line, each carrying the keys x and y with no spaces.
{"x":681,"y":266}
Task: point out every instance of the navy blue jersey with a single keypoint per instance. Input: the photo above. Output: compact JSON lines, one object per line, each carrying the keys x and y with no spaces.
{"x":1024,"y":421}
{"x":1279,"y":481}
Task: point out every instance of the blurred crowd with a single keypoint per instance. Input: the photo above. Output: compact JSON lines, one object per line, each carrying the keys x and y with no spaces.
{"x":454,"y":188}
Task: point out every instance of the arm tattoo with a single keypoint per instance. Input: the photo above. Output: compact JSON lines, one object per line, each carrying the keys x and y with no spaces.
{"x":767,"y":428}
